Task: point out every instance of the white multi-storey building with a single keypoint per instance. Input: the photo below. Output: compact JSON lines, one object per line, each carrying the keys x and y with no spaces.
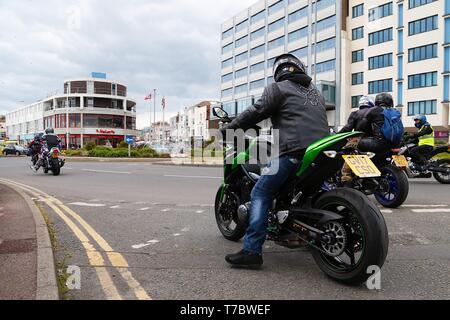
{"x":363,"y":48}
{"x":90,"y":110}
{"x":2,"y":127}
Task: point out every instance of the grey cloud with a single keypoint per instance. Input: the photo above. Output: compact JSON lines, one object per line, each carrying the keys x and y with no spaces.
{"x":171,"y":45}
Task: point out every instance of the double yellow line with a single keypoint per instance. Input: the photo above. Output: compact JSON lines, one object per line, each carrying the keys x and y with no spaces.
{"x":95,"y":257}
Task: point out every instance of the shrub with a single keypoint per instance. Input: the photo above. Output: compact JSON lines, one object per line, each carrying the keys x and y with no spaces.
{"x":123,"y":145}
{"x":90,"y":146}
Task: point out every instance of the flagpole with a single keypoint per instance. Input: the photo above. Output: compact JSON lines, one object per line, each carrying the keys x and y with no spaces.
{"x":150,"y":128}
{"x":154,"y":108}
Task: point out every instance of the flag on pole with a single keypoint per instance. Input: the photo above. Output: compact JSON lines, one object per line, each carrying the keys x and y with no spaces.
{"x":149,"y":97}
{"x":163,"y":103}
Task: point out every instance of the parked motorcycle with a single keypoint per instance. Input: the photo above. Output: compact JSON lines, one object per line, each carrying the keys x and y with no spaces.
{"x":437,"y":168}
{"x":391,"y":189}
{"x":345,"y":231}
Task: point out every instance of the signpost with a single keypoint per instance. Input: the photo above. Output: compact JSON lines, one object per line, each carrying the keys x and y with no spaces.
{"x":130,"y":140}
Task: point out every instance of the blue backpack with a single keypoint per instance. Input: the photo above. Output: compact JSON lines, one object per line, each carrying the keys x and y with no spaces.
{"x":393,"y":129}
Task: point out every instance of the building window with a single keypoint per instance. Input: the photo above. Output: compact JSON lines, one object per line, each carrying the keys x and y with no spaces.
{"x":257,"y":67}
{"x":276,"y":43}
{"x":243,"y":105}
{"x":381,"y":61}
{"x":227,"y":77}
{"x":276,"y":25}
{"x":227,"y":63}
{"x":230,"y":108}
{"x":358,"y":10}
{"x":241,"y":26}
{"x":227,"y":34}
{"x":257,"y":51}
{"x":276,"y":7}
{"x":325,"y":66}
{"x":227,"y":92}
{"x":270,"y":80}
{"x":325,"y":23}
{"x":257,"y":17}
{"x":357,"y":78}
{"x":325,"y":45}
{"x":418,"y":3}
{"x":270,"y":62}
{"x":241,"y":89}
{"x":422,"y":107}
{"x":423,"y":53}
{"x":355,"y":101}
{"x":422,"y":80}
{"x":423,"y":25}
{"x":258,"y":34}
{"x":380,"y":86}
{"x":358,"y":33}
{"x":357,"y":55}
{"x":298,"y":34}
{"x":301,"y":53}
{"x":256,"y":84}
{"x":242,"y":41}
{"x":75,"y":120}
{"x":380,"y":11}
{"x":297,"y":15}
{"x":240,"y":73}
{"x":241,"y":57}
{"x":227,"y":48}
{"x":380,"y":36}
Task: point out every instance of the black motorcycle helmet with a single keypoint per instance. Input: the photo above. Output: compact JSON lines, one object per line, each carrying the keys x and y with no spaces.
{"x":49,"y":131}
{"x":285,"y":64}
{"x":384,"y":100}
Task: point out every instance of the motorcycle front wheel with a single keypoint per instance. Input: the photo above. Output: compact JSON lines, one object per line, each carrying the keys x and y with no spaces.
{"x":442,"y":177}
{"x":227,"y":216}
{"x":361,"y":239}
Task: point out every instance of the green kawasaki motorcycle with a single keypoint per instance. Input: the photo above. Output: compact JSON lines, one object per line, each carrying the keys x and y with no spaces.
{"x":345,"y":231}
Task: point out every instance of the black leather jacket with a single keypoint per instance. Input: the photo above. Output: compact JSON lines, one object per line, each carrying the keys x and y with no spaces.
{"x":368,"y":120}
{"x":296,"y":109}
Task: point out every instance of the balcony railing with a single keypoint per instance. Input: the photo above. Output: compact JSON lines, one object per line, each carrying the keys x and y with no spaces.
{"x":120,"y":93}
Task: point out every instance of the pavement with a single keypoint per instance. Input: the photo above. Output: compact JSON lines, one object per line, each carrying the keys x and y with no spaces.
{"x":27,"y":269}
{"x":147,"y":231}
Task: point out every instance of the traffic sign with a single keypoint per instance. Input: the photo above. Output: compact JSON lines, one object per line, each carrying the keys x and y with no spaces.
{"x":130,"y":139}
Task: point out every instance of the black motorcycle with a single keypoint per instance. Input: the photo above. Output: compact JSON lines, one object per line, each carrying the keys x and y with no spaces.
{"x":51,"y":160}
{"x":434,"y":167}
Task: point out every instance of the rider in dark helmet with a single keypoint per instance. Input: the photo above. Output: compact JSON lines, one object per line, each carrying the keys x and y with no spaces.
{"x":50,"y":140}
{"x":370,"y":119}
{"x":424,"y":139}
{"x":298,"y":115}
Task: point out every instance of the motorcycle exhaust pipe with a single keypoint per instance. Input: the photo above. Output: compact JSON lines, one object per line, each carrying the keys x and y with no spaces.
{"x":440,"y":170}
{"x":244,"y":213}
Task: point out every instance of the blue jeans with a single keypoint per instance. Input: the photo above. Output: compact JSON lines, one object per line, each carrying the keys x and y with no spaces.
{"x":272,"y":180}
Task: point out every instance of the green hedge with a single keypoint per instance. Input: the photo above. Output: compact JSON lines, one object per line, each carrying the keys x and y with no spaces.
{"x":104,"y":152}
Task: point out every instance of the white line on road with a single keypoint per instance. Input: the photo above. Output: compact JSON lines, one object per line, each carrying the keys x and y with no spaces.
{"x":82,"y":204}
{"x":431,"y":210}
{"x":144,"y":209}
{"x":387,"y":211}
{"x":191,"y":177}
{"x":115,"y":207}
{"x":105,"y":171}
{"x":425,"y":206}
{"x":143,"y":245}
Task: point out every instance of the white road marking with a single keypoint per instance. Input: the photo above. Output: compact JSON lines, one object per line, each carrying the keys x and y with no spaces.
{"x":82,"y":204}
{"x":177,"y":234}
{"x":165,"y":210}
{"x":115,"y":207}
{"x":431,"y":210}
{"x":143,"y":245}
{"x":387,"y":211}
{"x":105,"y":171}
{"x":200,"y":211}
{"x":144,"y":209}
{"x":191,"y":177}
{"x":425,"y":206}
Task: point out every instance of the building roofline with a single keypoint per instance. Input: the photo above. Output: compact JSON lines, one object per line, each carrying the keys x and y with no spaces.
{"x":94,"y":79}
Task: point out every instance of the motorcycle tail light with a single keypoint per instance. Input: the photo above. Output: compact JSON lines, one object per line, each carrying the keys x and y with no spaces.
{"x":396,"y":150}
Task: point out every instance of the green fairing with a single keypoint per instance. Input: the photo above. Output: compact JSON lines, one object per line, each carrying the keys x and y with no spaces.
{"x":320,"y":146}
{"x":243,"y":157}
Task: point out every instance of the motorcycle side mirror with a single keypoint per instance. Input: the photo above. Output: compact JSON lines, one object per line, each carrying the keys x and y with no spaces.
{"x":220,"y":113}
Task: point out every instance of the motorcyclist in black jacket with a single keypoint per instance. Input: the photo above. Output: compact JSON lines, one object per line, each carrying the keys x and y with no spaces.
{"x":370,"y":119}
{"x":298,"y":114}
{"x":51,"y":140}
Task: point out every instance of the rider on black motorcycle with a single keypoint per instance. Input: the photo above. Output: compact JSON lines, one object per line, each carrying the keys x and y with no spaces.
{"x":51,"y":140}
{"x":297,"y":110}
{"x":424,"y":139}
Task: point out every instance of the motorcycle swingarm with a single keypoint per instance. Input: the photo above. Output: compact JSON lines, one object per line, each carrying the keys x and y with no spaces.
{"x":319,"y":217}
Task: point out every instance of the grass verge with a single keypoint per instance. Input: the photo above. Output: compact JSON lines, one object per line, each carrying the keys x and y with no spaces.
{"x":60,"y":263}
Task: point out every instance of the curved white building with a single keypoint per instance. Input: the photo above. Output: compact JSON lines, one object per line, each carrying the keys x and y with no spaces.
{"x":90,"y":110}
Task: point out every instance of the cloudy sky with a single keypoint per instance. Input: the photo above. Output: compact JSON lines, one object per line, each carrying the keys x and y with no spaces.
{"x":170,"y":45}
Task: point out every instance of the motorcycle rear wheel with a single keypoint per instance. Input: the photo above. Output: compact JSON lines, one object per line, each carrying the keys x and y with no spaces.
{"x":398,"y":187}
{"x":56,"y":169}
{"x":366,"y":233}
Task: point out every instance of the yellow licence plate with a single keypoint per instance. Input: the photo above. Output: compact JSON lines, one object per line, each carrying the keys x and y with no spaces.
{"x":362,"y":166}
{"x":400,"y":161}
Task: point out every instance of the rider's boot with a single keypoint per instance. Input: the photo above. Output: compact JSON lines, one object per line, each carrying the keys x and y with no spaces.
{"x":245,"y":260}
